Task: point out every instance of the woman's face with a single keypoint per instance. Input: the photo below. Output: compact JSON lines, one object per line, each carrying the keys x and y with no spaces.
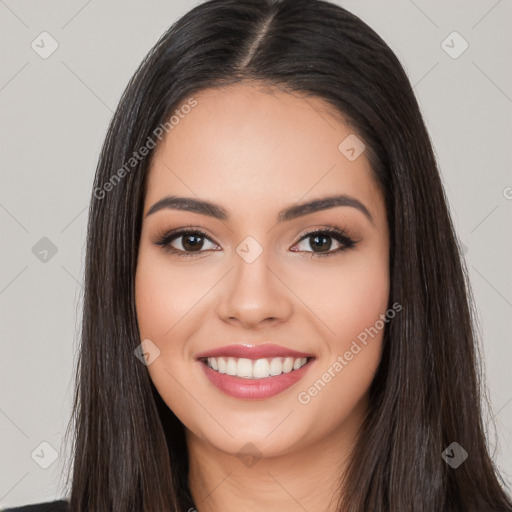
{"x":258,"y":276}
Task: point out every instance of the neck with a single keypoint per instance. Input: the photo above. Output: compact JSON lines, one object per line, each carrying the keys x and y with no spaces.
{"x":307,"y":478}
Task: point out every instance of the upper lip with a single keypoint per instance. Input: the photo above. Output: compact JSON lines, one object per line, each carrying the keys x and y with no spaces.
{"x":249,"y":351}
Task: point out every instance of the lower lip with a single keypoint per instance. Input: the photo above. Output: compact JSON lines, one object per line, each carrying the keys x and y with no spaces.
{"x":253,"y":389}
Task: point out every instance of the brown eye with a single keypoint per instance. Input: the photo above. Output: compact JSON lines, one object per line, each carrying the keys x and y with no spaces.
{"x":186,"y":243}
{"x":192,"y":242}
{"x":321,"y":242}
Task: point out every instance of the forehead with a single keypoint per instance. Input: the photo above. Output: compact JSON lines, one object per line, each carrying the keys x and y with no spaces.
{"x":248,"y":146}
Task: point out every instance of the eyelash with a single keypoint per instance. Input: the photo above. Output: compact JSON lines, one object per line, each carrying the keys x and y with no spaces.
{"x":336,"y":232}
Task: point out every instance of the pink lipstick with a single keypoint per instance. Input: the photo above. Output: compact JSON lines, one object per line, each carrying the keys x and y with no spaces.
{"x":254,"y":372}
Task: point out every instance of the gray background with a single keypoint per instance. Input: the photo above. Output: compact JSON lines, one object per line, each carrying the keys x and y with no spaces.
{"x":54,"y":113}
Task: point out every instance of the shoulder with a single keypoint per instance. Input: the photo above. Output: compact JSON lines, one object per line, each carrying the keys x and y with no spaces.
{"x":47,"y":506}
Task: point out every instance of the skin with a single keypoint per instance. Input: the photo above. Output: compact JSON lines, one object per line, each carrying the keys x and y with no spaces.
{"x":254,"y":152}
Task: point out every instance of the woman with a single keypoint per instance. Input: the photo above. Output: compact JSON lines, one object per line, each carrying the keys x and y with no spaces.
{"x":276,"y":311}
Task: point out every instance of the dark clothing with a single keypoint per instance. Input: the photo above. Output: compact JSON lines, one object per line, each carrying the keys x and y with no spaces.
{"x":63,"y":506}
{"x":47,"y":506}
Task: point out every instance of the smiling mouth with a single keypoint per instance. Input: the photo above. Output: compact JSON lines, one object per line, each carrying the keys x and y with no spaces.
{"x":255,"y":368}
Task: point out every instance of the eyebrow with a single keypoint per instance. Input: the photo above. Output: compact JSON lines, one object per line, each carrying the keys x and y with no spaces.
{"x":293,"y":212}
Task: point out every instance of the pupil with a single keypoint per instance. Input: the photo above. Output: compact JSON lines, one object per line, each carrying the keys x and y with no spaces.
{"x":324,"y":239}
{"x":188,"y":245}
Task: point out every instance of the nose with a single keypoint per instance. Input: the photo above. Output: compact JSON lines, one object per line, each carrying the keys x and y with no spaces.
{"x":254,"y":295}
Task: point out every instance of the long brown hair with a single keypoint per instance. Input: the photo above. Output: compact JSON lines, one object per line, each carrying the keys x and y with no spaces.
{"x":129,"y":450}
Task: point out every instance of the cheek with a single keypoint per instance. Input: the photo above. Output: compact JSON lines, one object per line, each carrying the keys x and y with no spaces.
{"x":153,"y":311}
{"x":350,"y":299}
{"x":165,"y":298}
{"x":356,"y":299}
{"x":362,"y":297}
{"x":164,"y":294}
{"x":347,"y":296}
{"x":358,"y":317}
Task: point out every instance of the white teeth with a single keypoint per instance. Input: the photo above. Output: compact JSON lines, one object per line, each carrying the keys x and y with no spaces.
{"x":261,"y":368}
{"x":297,"y":364}
{"x":244,"y":368}
{"x":221,"y":362}
{"x":276,"y":367}
{"x":288,"y":365}
{"x":231,"y":366}
{"x":255,"y":369}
